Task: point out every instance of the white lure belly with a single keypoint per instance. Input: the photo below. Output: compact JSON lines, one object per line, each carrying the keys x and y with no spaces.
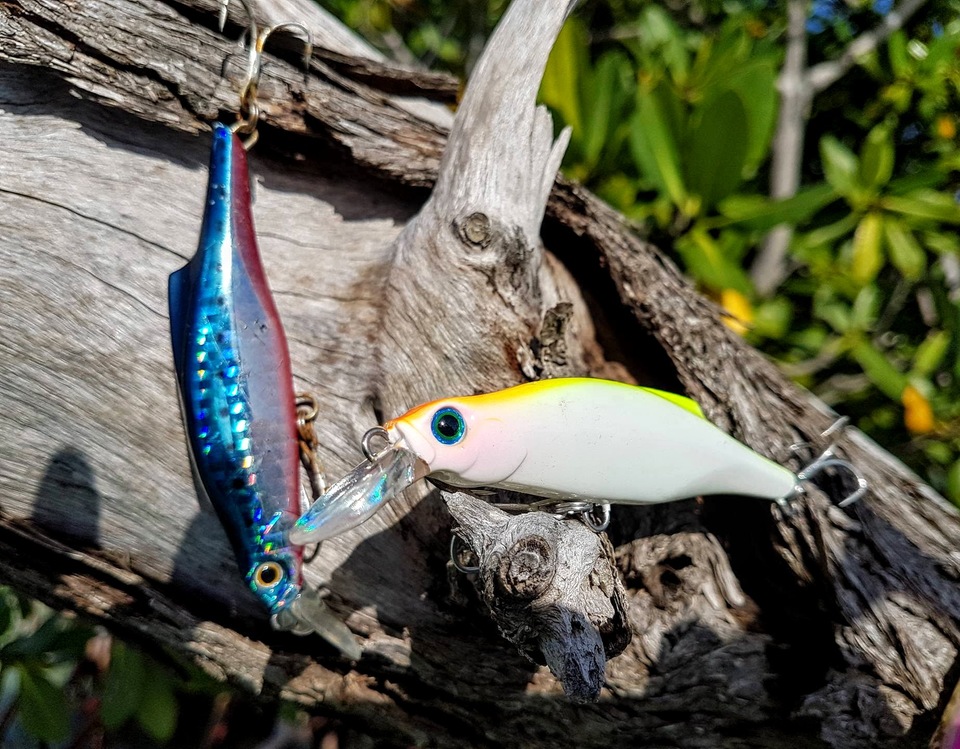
{"x":589,"y":439}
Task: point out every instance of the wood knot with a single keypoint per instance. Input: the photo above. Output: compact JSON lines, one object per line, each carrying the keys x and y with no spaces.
{"x":528,"y":568}
{"x":475,"y":230}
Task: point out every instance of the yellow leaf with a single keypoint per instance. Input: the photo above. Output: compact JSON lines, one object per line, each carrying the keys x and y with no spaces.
{"x":917,"y":414}
{"x":756,"y":28}
{"x":946,"y":127}
{"x":867,"y":253}
{"x":739,"y":311}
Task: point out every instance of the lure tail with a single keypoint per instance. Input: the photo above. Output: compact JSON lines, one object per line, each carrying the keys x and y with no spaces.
{"x":307,"y":614}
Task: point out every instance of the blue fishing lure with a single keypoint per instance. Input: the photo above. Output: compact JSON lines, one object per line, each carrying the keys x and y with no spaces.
{"x":236,"y":385}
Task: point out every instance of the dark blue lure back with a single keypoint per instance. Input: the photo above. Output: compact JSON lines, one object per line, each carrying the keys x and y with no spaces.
{"x":236,"y":387}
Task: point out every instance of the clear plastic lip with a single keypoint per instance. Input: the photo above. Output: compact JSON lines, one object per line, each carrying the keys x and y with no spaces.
{"x":359,"y":494}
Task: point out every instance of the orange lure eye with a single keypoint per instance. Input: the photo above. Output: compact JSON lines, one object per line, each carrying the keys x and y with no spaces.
{"x":268,"y":575}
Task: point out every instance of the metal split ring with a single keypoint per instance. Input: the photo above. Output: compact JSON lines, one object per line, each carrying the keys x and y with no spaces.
{"x":457,"y":544}
{"x":308,"y":402}
{"x":367,"y":447}
{"x":597,"y":518}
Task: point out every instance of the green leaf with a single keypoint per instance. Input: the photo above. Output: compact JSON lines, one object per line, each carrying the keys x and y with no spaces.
{"x":159,"y":708}
{"x":6,"y":615}
{"x":717,"y":149}
{"x":930,"y":353}
{"x":123,"y":691}
{"x":34,"y":645}
{"x":605,"y":97}
{"x":832,"y":310}
{"x":665,"y":39}
{"x":942,"y":244}
{"x":756,"y":85}
{"x":840,"y":165}
{"x":899,"y":94}
{"x":560,"y":87}
{"x":654,"y":147}
{"x":762,"y":214}
{"x":938,"y":452}
{"x":867,"y":250}
{"x":831,"y":233}
{"x":866,"y":308}
{"x":618,"y":190}
{"x":953,"y":483}
{"x":906,"y":254}
{"x":923,"y":178}
{"x":772,"y":317}
{"x":876,"y":157}
{"x":925,"y":204}
{"x":879,"y":370}
{"x":44,"y":711}
{"x":897,"y":51}
{"x":707,"y":262}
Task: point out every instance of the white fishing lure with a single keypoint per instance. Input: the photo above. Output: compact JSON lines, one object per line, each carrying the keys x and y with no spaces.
{"x":569,"y":439}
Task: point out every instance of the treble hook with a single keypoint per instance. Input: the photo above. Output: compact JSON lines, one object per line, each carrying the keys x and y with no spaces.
{"x":826,"y":460}
{"x":254,"y":39}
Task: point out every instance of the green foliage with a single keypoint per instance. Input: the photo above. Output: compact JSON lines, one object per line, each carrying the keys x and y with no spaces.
{"x":37,"y":651}
{"x":439,"y":33}
{"x":138,"y":689}
{"x":45,"y":681}
{"x":673,"y":111}
{"x":43,"y":705}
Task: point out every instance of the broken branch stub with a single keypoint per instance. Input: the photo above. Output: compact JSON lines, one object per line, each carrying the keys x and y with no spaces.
{"x":551,"y":587}
{"x":472,"y":258}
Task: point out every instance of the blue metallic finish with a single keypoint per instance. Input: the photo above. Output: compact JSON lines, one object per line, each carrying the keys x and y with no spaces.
{"x":235,"y":382}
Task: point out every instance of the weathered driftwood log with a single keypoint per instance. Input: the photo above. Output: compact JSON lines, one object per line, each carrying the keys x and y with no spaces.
{"x":749,"y":629}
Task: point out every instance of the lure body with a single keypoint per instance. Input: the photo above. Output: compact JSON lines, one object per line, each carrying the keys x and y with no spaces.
{"x":235,"y":380}
{"x":586,"y":439}
{"x":236,"y":387}
{"x":577,"y":438}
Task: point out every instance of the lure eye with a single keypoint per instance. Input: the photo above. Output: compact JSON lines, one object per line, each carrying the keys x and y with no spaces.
{"x":448,"y":426}
{"x":268,"y":575}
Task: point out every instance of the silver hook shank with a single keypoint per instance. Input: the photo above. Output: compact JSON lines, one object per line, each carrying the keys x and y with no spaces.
{"x":826,"y":461}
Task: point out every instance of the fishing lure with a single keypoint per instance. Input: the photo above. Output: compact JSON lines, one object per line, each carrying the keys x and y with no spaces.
{"x":566,"y":439}
{"x":236,"y":387}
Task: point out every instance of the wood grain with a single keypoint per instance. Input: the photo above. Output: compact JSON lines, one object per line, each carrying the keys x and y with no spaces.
{"x":827,"y":628}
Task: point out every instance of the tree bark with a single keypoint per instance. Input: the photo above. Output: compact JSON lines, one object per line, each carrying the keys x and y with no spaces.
{"x":829,"y":627}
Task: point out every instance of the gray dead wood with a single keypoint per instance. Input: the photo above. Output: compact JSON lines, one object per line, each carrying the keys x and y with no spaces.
{"x":836,"y":628}
{"x":551,"y":587}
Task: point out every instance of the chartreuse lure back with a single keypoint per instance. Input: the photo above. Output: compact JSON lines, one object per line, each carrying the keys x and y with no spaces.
{"x":568,"y":439}
{"x":236,"y":386}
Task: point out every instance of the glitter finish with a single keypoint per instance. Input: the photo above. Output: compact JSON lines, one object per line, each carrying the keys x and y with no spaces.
{"x":233,"y":368}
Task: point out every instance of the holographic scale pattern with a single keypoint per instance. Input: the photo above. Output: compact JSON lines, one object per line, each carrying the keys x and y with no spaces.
{"x":235,"y":382}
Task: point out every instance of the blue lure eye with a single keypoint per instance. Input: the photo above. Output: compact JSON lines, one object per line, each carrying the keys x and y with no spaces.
{"x":448,"y":426}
